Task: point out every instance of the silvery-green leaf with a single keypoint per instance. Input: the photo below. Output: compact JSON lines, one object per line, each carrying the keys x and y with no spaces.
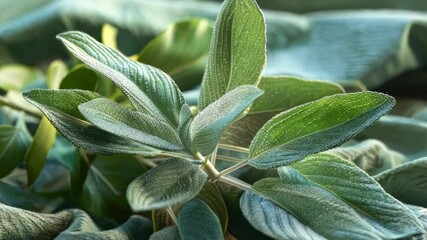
{"x":315,"y":126}
{"x":185,"y":119}
{"x":372,"y":155}
{"x":338,"y":200}
{"x":140,"y":127}
{"x":148,"y":88}
{"x":273,"y":220}
{"x":197,"y":221}
{"x":408,"y":182}
{"x":237,"y":52}
{"x":280,"y":93}
{"x":174,"y":181}
{"x":170,"y":233}
{"x":181,"y":51}
{"x":207,"y":126}
{"x":60,"y":107}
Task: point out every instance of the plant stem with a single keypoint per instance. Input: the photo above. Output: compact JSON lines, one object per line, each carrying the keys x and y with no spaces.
{"x":145,"y":161}
{"x":229,"y":159}
{"x":233,"y":168}
{"x":172,"y":214}
{"x":235,"y":182}
{"x":175,"y":155}
{"x":5,"y":102}
{"x":234,"y":148}
{"x":213,"y":156}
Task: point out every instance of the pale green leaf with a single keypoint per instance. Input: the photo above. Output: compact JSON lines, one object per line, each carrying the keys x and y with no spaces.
{"x":371,"y":155}
{"x":272,"y":220}
{"x":181,"y":51}
{"x":355,"y":206}
{"x":197,"y":221}
{"x":45,"y":135}
{"x":148,"y":88}
{"x":60,"y":107}
{"x":170,"y":233}
{"x":109,"y":35}
{"x":141,"y":127}
{"x":207,"y":126}
{"x":280,"y":93}
{"x":315,"y":126}
{"x":174,"y":181}
{"x":211,"y":195}
{"x":16,"y":77}
{"x":408,"y":182}
{"x":14,"y":142}
{"x":237,"y":52}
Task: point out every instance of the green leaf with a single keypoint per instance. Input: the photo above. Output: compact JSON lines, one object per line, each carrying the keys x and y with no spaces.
{"x":211,"y":195}
{"x":14,"y":142}
{"x":20,"y":198}
{"x":149,"y":89}
{"x":355,"y":205}
{"x":371,"y":155}
{"x":207,"y":126}
{"x":174,"y":181}
{"x":109,"y":35}
{"x":144,"y":128}
{"x":181,"y":51}
{"x":108,"y":177}
{"x":408,"y":182}
{"x":197,"y":221}
{"x":272,"y":220}
{"x":45,"y":135}
{"x":185,"y":119}
{"x":16,"y":77}
{"x":60,"y":107}
{"x":80,"y":77}
{"x":237,"y":52}
{"x":170,"y":233}
{"x":315,"y":126}
{"x":280,"y":93}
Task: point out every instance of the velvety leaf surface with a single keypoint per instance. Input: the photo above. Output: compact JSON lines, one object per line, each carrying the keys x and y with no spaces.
{"x":272,"y":220}
{"x":66,"y":118}
{"x":174,"y":181}
{"x":181,"y":51}
{"x":197,"y":221}
{"x":171,"y":233}
{"x":149,"y":89}
{"x":23,"y":224}
{"x":118,"y":120}
{"x":280,"y":93}
{"x":408,"y":182}
{"x":371,"y":155}
{"x":354,"y":205}
{"x":237,"y":52}
{"x":315,"y":126}
{"x":207,"y":126}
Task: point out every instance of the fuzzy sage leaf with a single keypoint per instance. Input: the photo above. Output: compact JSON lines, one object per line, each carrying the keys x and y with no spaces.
{"x":66,"y":118}
{"x":237,"y":52}
{"x":355,"y":205}
{"x":149,"y":89}
{"x":144,"y":128}
{"x":315,"y":126}
{"x":207,"y":126}
{"x":174,"y":181}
